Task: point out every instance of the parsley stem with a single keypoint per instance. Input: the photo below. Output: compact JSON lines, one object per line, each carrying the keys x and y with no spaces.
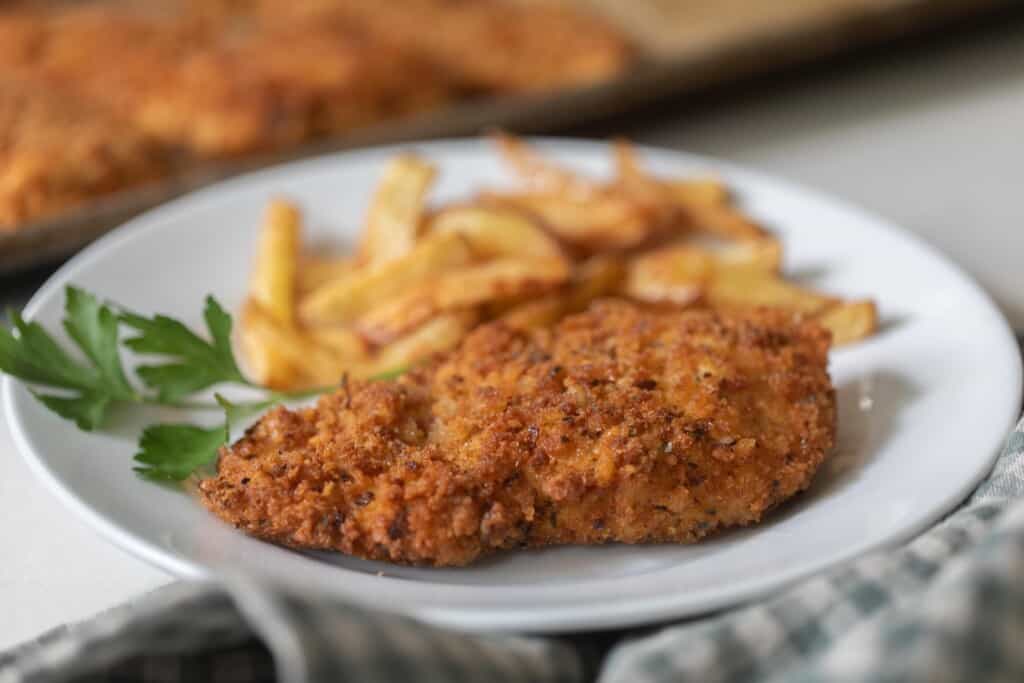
{"x":185,"y":405}
{"x":272,"y":397}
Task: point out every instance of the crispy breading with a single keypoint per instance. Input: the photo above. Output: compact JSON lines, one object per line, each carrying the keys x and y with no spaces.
{"x":618,"y":425}
{"x":291,"y":84}
{"x":486,"y":45}
{"x":220,"y":85}
{"x":222,"y":78}
{"x":57,"y":151}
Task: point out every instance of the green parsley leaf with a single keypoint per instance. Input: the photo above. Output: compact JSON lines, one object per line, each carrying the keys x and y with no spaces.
{"x":93,"y":327}
{"x":31,"y":354}
{"x":87,"y":409}
{"x":172,"y":452}
{"x":198,"y":364}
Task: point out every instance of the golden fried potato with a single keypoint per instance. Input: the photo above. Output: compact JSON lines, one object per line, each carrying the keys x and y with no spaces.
{"x":439,"y":334}
{"x":748,"y":289}
{"x":393,"y":222}
{"x":345,"y":299}
{"x":282,"y":357}
{"x":850,"y":321}
{"x":314,"y":272}
{"x":273,"y":280}
{"x":594,"y":223}
{"x":497,"y":233}
{"x":423,"y":279}
{"x":461,"y":289}
{"x":597,"y":277}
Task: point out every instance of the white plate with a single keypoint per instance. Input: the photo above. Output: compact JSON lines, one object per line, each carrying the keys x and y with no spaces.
{"x":923,"y":405}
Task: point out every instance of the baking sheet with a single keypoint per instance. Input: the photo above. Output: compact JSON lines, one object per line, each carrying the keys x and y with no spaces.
{"x":686,"y":45}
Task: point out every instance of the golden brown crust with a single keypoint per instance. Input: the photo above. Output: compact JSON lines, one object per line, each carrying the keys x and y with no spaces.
{"x":618,"y":425}
{"x":221,"y":85}
{"x":57,"y":151}
{"x":486,"y":45}
{"x":220,"y":78}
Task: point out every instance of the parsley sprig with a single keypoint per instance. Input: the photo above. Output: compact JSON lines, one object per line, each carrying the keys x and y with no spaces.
{"x":84,"y":386}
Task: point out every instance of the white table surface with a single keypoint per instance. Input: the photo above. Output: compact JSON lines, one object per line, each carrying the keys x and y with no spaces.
{"x":931,"y":138}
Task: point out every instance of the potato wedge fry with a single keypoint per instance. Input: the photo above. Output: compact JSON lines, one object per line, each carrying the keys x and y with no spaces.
{"x":282,"y":357}
{"x":593,"y":224}
{"x":595,"y":278}
{"x":273,"y":280}
{"x":850,"y":321}
{"x":745,"y":288}
{"x":634,"y":179}
{"x":343,"y":342}
{"x":702,"y":192}
{"x":439,"y":334}
{"x":264,"y":363}
{"x":676,"y":275}
{"x":462,"y":289}
{"x":345,"y":299}
{"x":497,"y":232}
{"x":762,"y":256}
{"x":314,"y":272}
{"x":393,"y":222}
{"x":422,"y":280}
{"x":536,"y":171}
{"x":628,"y":169}
{"x":725,"y":222}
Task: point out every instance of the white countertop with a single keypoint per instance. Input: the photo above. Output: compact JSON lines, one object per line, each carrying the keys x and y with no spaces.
{"x":933,"y":139}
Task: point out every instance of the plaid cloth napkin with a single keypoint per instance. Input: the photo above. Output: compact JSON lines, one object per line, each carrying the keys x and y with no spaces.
{"x":948,"y":606}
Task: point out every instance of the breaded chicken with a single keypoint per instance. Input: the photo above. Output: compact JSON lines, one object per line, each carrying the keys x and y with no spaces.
{"x":619,"y":424}
{"x":57,"y":151}
{"x":220,"y":85}
{"x":486,"y":45}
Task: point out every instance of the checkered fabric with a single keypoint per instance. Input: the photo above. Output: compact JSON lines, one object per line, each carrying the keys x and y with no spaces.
{"x":948,"y":606}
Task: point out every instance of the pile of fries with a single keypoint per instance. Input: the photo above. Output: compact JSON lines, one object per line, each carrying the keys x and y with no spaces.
{"x":424,"y":276}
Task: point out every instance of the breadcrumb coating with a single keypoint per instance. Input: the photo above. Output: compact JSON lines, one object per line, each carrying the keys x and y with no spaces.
{"x":618,"y":425}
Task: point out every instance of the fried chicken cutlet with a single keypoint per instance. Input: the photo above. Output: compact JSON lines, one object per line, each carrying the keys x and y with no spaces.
{"x":619,"y":424}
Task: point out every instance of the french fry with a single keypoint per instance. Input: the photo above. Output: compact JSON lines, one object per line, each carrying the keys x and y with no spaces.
{"x":594,"y":278}
{"x":344,"y":343}
{"x":462,"y":289}
{"x":345,"y":299}
{"x":273,"y":278}
{"x":761,"y":256}
{"x":283,"y":357}
{"x":745,"y":288}
{"x":725,"y":222}
{"x":850,"y":321}
{"x":497,"y":232}
{"x":703,"y":192}
{"x":422,"y":281}
{"x":699,"y":192}
{"x":628,"y":169}
{"x":439,"y":334}
{"x":264,"y":362}
{"x":676,"y":275}
{"x":536,"y":171}
{"x":595,"y":223}
{"x":393,"y":222}
{"x":314,"y":272}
